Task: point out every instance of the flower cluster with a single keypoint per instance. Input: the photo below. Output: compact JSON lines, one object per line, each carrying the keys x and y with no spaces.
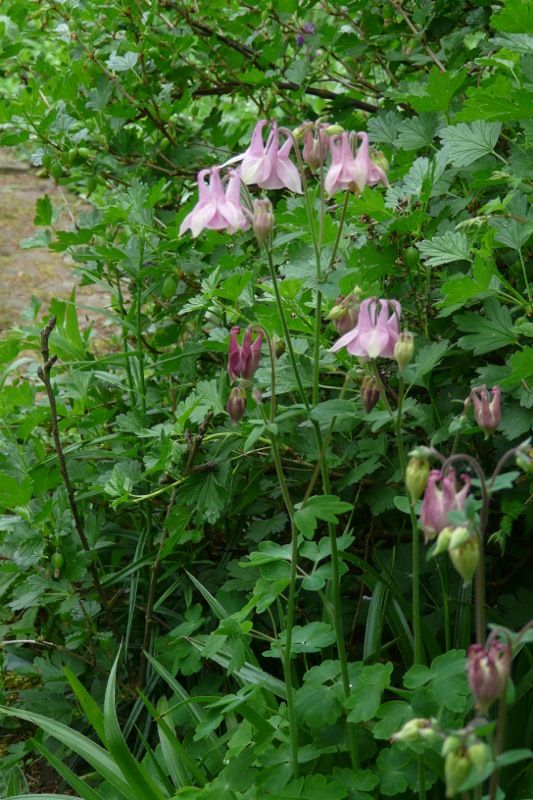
{"x":266,"y":164}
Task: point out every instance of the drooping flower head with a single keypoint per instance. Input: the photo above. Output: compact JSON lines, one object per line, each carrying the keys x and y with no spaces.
{"x":352,"y":172}
{"x":269,"y":165}
{"x":376,"y":332}
{"x":345,"y":173}
{"x":487,"y":412}
{"x":373,"y":173}
{"x":438,"y":502}
{"x":243,"y":360}
{"x":488,"y":671}
{"x":216,"y":209}
{"x":316,"y":144}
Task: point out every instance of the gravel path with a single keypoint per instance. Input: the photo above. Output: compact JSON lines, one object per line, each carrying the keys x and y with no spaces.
{"x":38,"y":272}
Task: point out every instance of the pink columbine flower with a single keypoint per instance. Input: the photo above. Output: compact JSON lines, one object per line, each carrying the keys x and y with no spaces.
{"x":243,"y":360}
{"x":438,"y":502}
{"x":373,"y":173}
{"x":316,"y":145}
{"x":268,"y":165}
{"x":344,"y":172}
{"x":486,"y":412}
{"x":349,"y":172}
{"x":216,"y":209}
{"x":376,"y":332}
{"x":488,"y":671}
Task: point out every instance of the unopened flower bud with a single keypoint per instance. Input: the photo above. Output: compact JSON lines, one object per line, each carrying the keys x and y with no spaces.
{"x":416,"y":477}
{"x":345,"y":312}
{"x":262,"y":219}
{"x":334,"y":130}
{"x":443,"y":541}
{"x":488,"y":672}
{"x":369,"y":392}
{"x":450,"y":745}
{"x":465,"y":558}
{"x":57,"y":562}
{"x":380,"y":159}
{"x":236,"y":405}
{"x":478,"y":754}
{"x":416,"y":730}
{"x":456,"y":770}
{"x":404,"y":349}
{"x":487,"y":411}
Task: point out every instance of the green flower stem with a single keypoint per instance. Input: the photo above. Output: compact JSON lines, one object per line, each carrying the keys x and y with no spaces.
{"x":285,"y":326}
{"x":291,"y":602}
{"x":418,"y":655}
{"x":289,"y":620}
{"x":124,"y":336}
{"x":140,"y":351}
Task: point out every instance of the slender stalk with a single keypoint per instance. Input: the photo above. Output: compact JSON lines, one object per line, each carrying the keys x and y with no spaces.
{"x":122,"y":309}
{"x":44,"y":374}
{"x":418,"y":655}
{"x":140,"y":351}
{"x":480,"y":572}
{"x":524,"y":272}
{"x":291,"y":602}
{"x":498,"y":745}
{"x":285,"y":326}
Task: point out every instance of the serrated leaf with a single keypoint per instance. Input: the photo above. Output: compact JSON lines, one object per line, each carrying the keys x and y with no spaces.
{"x":383,"y":127}
{"x":44,"y":211}
{"x":123,"y":63}
{"x":515,"y":17}
{"x":417,"y":132}
{"x":496,"y":99}
{"x":444,"y":249}
{"x":465,"y":143}
{"x":487,"y":332}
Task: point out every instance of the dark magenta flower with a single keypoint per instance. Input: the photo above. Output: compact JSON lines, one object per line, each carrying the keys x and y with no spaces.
{"x":243,"y":360}
{"x":488,"y":671}
{"x":487,"y":411}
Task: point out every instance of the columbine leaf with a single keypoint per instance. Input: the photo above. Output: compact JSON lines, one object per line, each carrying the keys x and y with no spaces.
{"x":486,"y":333}
{"x":324,"y":507}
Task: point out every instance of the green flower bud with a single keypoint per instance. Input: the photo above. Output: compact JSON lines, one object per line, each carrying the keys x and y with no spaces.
{"x":456,"y":770}
{"x":443,"y":541}
{"x":450,"y":745}
{"x":479,"y":755}
{"x":465,"y":558}
{"x":57,"y":562}
{"x":334,"y":130}
{"x":416,"y":477}
{"x":404,"y":349}
{"x":416,"y":730}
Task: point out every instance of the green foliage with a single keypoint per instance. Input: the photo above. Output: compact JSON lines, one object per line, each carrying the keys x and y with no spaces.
{"x":213,"y":551}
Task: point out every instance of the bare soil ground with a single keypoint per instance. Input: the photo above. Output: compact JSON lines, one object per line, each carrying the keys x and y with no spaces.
{"x":38,"y":272}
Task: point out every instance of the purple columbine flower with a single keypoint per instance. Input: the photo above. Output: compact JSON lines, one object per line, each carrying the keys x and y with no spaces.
{"x":243,"y":360}
{"x":269,"y":165}
{"x":437,"y":502}
{"x":376,"y":332}
{"x":487,"y":412}
{"x":216,"y":209}
{"x":488,"y":671}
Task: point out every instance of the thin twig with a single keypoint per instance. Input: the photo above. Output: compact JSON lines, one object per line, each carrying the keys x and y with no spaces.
{"x":44,"y":374}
